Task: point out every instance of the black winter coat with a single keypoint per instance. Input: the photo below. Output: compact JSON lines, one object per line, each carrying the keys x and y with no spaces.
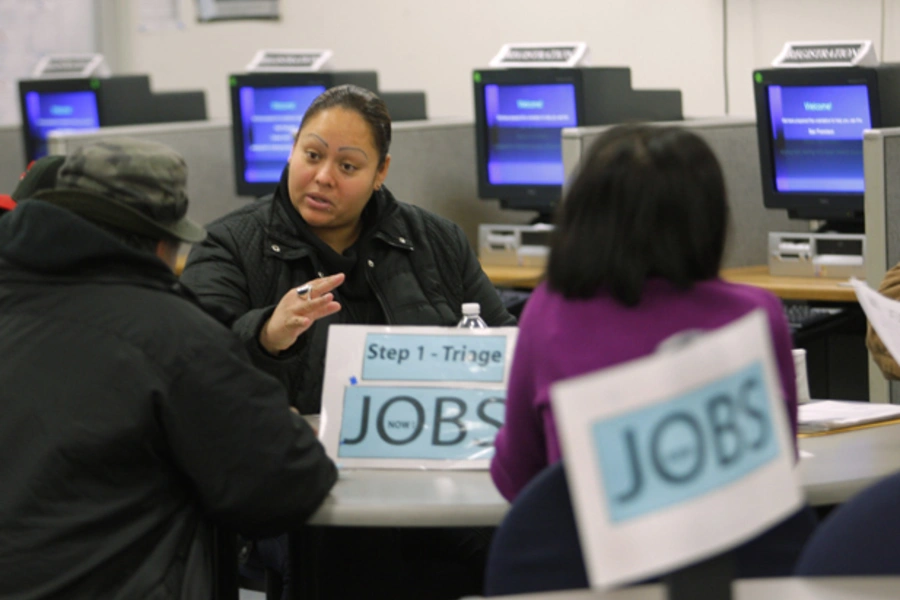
{"x":131,"y":420}
{"x":420,"y":267}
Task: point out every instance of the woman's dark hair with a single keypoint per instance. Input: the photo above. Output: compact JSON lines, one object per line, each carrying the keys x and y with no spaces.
{"x":370,"y":107}
{"x":646,"y":201}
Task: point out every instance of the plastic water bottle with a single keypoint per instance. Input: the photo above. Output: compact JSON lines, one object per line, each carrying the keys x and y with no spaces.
{"x":471,"y":318}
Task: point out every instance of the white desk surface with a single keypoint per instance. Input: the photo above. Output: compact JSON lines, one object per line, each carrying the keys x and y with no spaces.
{"x":836,"y":466}
{"x":386,"y":498}
{"x":832,"y":469}
{"x":821,"y":588}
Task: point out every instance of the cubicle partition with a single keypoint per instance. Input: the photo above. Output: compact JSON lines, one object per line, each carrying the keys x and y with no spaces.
{"x":12,"y":157}
{"x":206,"y":147}
{"x":432,"y":165}
{"x":734,"y":140}
{"x":881,"y":154}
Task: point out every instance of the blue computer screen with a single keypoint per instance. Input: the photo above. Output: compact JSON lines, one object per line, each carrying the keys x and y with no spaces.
{"x":269,"y":118}
{"x":817,"y":134}
{"x":524,"y":122}
{"x":55,"y":111}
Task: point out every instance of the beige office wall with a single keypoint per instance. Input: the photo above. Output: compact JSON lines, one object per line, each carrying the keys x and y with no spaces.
{"x":758,"y":29}
{"x":434,"y":46}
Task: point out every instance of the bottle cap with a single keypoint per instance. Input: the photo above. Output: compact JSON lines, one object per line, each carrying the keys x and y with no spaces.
{"x":471,"y":308}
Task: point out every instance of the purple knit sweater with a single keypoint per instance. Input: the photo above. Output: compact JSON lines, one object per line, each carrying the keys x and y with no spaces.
{"x":560,"y":338}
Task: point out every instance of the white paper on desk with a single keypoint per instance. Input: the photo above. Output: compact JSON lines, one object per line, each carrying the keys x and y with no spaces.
{"x":402,"y":397}
{"x":678,"y":456}
{"x":883,"y":313}
{"x":828,"y":415}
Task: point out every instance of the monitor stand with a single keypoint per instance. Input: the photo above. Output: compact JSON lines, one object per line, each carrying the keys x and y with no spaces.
{"x":841,"y":227}
{"x":852,"y":223}
{"x":542,"y":219}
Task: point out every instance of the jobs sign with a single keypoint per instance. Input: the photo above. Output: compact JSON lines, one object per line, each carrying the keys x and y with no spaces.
{"x":691,"y":447}
{"x":416,"y":397}
{"x":439,"y":423}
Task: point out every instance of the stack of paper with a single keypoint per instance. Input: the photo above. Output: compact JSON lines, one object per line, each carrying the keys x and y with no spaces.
{"x":828,"y":415}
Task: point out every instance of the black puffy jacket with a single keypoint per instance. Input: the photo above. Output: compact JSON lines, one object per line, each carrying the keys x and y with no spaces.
{"x":131,"y":419}
{"x":419,"y":266}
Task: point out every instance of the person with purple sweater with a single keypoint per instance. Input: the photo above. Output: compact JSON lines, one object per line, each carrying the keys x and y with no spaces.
{"x":634,"y":260}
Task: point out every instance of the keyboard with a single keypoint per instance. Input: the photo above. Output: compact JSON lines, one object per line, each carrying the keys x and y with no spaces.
{"x":801,"y":315}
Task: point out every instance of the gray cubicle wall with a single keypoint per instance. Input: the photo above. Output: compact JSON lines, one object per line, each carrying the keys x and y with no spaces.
{"x":735,"y":144}
{"x":432,"y":165}
{"x":12,"y":157}
{"x":206,"y":147}
{"x":881,"y":155}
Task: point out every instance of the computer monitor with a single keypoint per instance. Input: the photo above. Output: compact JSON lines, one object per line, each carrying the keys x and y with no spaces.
{"x":266,"y":110}
{"x":810,"y":124}
{"x":89,"y":103}
{"x":519,"y":116}
{"x":56,"y":105}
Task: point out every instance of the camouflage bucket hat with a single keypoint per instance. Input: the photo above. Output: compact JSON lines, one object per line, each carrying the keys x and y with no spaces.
{"x":134,"y":185}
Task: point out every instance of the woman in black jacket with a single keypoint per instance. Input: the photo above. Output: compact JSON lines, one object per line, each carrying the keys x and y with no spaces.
{"x":332,"y":225}
{"x":332,"y":245}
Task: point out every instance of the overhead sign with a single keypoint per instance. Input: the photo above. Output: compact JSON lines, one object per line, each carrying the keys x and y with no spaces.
{"x":289,"y":60}
{"x":676,"y":457}
{"x":414,"y":397}
{"x":70,"y":66}
{"x":563,"y":54}
{"x":827,"y":54}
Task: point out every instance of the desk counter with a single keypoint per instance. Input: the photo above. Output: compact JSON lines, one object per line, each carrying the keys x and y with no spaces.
{"x":393,"y":498}
{"x":792,"y":288}
{"x":832,"y":469}
{"x":794,"y":588}
{"x":787,"y":288}
{"x":836,"y":466}
{"x":520,"y":277}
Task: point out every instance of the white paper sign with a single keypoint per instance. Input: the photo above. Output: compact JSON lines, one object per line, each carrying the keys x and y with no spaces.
{"x":560,"y":54}
{"x":883,"y":314}
{"x":414,"y":397}
{"x":289,"y":60}
{"x":678,"y":456}
{"x":70,"y":66}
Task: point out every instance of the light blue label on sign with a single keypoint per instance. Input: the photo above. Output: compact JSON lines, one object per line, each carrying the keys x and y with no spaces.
{"x":689,"y":446}
{"x":400,"y":357}
{"x":420,"y":423}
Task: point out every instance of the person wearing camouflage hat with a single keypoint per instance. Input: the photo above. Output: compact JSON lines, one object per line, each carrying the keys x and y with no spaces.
{"x":132,"y":421}
{"x":136,"y":186}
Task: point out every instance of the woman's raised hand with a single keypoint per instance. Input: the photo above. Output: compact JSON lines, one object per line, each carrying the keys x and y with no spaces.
{"x":297,"y":310}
